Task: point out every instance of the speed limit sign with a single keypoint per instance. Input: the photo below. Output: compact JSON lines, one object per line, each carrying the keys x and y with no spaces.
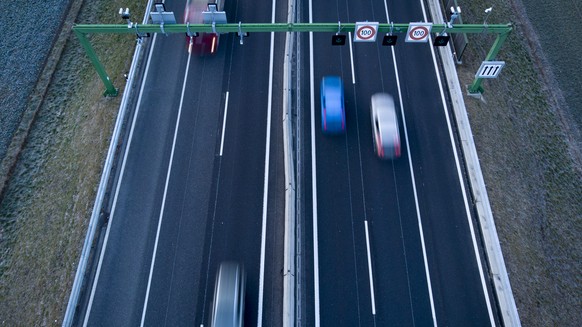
{"x":418,"y":32}
{"x":366,"y":31}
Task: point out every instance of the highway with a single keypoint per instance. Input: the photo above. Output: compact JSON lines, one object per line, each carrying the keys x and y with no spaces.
{"x":199,"y":184}
{"x":392,"y":242}
{"x":200,"y":181}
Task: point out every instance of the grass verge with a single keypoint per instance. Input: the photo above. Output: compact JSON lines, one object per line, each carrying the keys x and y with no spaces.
{"x":49,"y":198}
{"x":531,"y":169}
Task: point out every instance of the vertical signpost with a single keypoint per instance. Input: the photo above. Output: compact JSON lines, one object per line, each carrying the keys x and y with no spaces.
{"x":475,"y":89}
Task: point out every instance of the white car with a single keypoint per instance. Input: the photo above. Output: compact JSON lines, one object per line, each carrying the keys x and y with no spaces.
{"x":385,"y":131}
{"x":229,"y":296}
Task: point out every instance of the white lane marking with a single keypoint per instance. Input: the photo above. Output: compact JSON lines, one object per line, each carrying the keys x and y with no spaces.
{"x":119,"y":183}
{"x":416,"y":204}
{"x":224,"y":123}
{"x":352,"y":58}
{"x":313,"y":176}
{"x":460,"y":177}
{"x":161,"y":217}
{"x":266,"y":178}
{"x":371,"y":276}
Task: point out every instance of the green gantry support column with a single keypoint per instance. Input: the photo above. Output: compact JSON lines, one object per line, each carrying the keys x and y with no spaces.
{"x":476,"y":88}
{"x":110,"y":90}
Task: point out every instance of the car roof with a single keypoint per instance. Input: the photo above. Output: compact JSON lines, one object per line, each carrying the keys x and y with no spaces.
{"x":383,"y":105}
{"x":333,"y":89}
{"x":332,"y":85}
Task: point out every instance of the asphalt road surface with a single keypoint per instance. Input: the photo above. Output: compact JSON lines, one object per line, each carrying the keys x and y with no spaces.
{"x":201,"y":181}
{"x":392,"y":241}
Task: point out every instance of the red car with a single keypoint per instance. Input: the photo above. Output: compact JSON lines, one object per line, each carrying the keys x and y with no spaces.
{"x":204,"y":43}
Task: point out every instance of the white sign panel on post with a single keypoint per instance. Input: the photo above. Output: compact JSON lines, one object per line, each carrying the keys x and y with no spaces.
{"x":490,"y":69}
{"x":418,"y":32}
{"x":366,"y":31}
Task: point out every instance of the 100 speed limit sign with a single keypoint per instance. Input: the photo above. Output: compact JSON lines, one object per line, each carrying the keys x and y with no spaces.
{"x":418,"y":32}
{"x":366,"y":31}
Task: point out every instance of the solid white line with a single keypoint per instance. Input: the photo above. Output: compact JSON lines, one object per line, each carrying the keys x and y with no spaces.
{"x":161,"y":217}
{"x":416,"y":204}
{"x":371,"y":276}
{"x":313,"y":176}
{"x":266,"y":178}
{"x":352,"y":59}
{"x":224,"y":123}
{"x":119,"y":183}
{"x":460,"y":177}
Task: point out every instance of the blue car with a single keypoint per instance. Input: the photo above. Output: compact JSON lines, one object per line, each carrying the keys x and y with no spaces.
{"x":333,"y":115}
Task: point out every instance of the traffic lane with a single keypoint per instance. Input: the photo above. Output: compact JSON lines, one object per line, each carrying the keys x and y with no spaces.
{"x":249,"y":86}
{"x":402,"y":295}
{"x":344,"y":285}
{"x":276,"y":201}
{"x":211,"y":81}
{"x":179,"y":254}
{"x":457,"y":289}
{"x":405,"y":12}
{"x":372,"y":71}
{"x":120,"y":291}
{"x":343,"y":281}
{"x":401,"y":288}
{"x":239,"y":174}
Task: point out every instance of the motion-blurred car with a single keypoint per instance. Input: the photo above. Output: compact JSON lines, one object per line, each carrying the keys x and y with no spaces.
{"x":333,"y":115}
{"x":229,"y":296}
{"x":204,"y":43}
{"x":385,"y":126}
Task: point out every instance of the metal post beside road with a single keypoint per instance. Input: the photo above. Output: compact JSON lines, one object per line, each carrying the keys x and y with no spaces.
{"x":110,"y":90}
{"x":476,"y":88}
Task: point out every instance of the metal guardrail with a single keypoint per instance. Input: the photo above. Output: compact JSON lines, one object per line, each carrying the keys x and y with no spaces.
{"x":500,"y":277}
{"x":290,"y":194}
{"x":98,"y":206}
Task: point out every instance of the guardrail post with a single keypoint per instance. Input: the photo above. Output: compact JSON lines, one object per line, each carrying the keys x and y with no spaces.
{"x":110,"y":90}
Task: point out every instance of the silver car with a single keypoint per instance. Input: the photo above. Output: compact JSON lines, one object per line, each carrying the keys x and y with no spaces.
{"x":385,"y":131}
{"x":229,"y":296}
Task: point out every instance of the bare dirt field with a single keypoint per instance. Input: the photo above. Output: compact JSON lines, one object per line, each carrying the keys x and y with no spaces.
{"x":527,"y":135}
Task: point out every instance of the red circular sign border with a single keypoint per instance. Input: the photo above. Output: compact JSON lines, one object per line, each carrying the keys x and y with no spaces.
{"x":414,"y":29}
{"x":369,"y":37}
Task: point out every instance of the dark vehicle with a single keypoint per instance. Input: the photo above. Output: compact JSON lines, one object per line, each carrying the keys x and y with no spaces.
{"x":333,"y":115}
{"x":386,"y":136}
{"x":204,"y":43}
{"x":229,"y":296}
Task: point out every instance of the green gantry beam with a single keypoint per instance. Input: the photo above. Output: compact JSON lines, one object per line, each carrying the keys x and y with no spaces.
{"x":82,"y":29}
{"x":281,"y":27}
